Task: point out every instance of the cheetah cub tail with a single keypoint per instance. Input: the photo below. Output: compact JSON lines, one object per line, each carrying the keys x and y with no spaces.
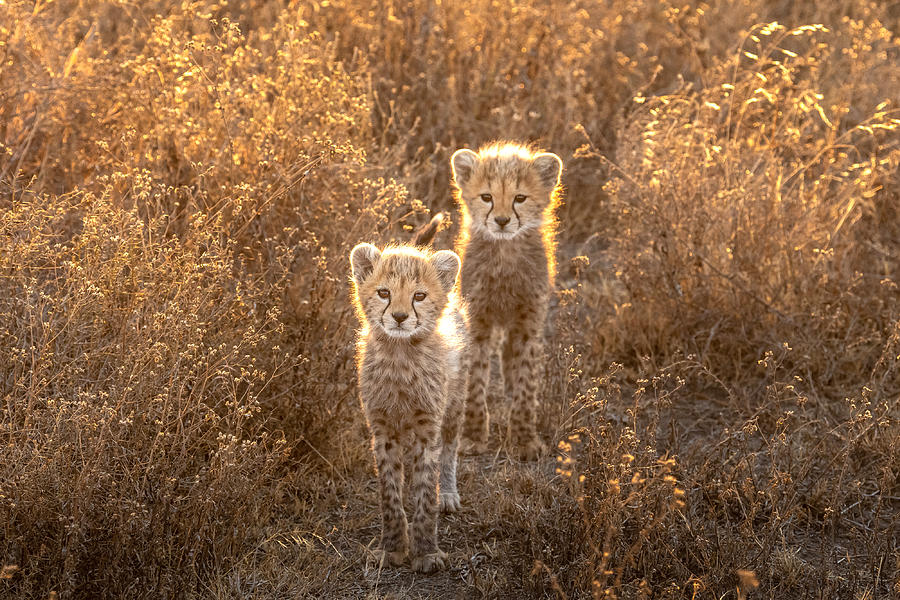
{"x":425,"y":235}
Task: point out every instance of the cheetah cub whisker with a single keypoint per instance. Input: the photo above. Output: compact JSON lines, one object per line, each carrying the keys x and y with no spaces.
{"x":507,"y":194}
{"x":413,"y":367}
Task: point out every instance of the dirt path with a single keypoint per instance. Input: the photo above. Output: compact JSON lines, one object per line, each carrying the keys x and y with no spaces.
{"x":324,"y":549}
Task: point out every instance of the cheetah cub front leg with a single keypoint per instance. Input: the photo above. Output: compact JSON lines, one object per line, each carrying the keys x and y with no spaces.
{"x":394,"y":544}
{"x":521,"y":365}
{"x":426,"y":556}
{"x":477,"y":418}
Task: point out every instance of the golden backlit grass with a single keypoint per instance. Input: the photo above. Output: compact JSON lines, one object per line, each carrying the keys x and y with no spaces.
{"x":180,"y":186}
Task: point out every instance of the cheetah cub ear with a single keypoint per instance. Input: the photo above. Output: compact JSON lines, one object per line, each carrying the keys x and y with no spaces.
{"x":446,"y":263}
{"x":362,"y":261}
{"x":549,"y":168}
{"x":463,"y":163}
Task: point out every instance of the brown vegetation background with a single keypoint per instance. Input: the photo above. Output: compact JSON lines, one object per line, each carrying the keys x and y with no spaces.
{"x":181,"y":184}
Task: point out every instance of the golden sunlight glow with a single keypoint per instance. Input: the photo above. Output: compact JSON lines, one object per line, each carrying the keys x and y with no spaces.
{"x":700,"y":401}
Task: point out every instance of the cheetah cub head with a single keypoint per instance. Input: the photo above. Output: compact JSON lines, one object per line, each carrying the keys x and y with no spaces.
{"x":506,"y":189}
{"x":402,"y":291}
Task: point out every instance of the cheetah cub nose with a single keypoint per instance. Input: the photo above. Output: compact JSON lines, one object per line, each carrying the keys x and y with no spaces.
{"x":501,"y":221}
{"x":399,"y":317}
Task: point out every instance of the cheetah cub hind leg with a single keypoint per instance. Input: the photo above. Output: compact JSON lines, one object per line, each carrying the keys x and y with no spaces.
{"x":450,"y":439}
{"x":449,"y":497}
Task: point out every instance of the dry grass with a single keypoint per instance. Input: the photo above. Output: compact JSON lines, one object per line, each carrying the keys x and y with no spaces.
{"x":181,"y":183}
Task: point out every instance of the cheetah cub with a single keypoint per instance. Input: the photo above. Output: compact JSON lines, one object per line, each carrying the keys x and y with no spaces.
{"x":507,"y":194}
{"x":412,"y":380}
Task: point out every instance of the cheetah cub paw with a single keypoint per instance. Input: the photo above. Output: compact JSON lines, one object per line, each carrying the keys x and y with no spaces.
{"x":449,"y":502}
{"x":476,"y":433}
{"x":429,"y":563}
{"x":472,"y":447}
{"x":385,"y":558}
{"x":531,"y":449}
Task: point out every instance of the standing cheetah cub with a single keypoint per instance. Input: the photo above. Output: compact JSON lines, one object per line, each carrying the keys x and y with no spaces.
{"x":412,"y":380}
{"x":507,"y":194}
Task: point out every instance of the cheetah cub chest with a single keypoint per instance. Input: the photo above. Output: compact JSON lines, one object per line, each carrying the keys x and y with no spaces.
{"x":412,"y":379}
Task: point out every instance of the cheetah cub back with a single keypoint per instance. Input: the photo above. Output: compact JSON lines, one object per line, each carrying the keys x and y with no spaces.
{"x":507,"y":194}
{"x":413,"y":368}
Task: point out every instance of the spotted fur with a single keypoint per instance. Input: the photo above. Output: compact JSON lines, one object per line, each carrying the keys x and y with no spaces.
{"x":413,"y":367}
{"x":508,"y":195}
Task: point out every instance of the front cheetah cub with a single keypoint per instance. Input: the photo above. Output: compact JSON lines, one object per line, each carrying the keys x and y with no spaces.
{"x":507,"y":194}
{"x":412,"y":380}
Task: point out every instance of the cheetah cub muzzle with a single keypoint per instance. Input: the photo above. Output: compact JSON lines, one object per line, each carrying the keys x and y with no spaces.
{"x":412,"y":379}
{"x":507,"y":194}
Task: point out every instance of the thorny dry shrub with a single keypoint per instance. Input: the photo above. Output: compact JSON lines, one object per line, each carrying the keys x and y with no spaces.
{"x":133,"y":369}
{"x":661,"y":505}
{"x":163,"y":319}
{"x":180,"y":184}
{"x":739,"y":206}
{"x":259,"y":134}
{"x":759,"y":276}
